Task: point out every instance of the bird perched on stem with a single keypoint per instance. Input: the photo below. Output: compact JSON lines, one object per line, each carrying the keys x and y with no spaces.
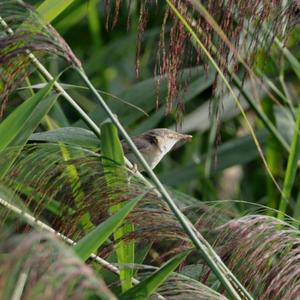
{"x":154,"y":145}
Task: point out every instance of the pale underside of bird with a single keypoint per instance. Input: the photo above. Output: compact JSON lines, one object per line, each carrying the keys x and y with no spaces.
{"x":154,"y":145}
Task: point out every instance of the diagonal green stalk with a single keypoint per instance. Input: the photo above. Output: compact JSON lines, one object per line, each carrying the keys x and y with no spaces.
{"x":222,"y":76}
{"x":212,"y":259}
{"x":295,"y":64}
{"x":234,"y":280}
{"x":272,"y":129}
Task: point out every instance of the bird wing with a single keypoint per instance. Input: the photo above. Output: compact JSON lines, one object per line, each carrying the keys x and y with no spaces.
{"x":141,"y":143}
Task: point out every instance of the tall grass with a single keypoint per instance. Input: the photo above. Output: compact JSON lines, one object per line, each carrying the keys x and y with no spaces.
{"x":177,"y":231}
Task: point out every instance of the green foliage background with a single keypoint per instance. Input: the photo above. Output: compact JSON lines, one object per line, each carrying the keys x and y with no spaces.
{"x":238,"y":175}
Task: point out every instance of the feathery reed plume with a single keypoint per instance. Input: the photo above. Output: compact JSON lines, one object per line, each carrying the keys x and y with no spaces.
{"x":24,"y":32}
{"x":39,"y":266}
{"x":41,"y":177}
{"x":247,"y":25}
{"x":264,"y":254}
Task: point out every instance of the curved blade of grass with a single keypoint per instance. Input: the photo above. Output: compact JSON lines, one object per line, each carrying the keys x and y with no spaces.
{"x":142,"y":93}
{"x":148,"y":286}
{"x":11,"y":127}
{"x":93,"y":240}
{"x":67,"y":86}
{"x":111,"y":145}
{"x":68,"y":135}
{"x":18,"y":126}
{"x":112,"y":152}
{"x":50,"y":9}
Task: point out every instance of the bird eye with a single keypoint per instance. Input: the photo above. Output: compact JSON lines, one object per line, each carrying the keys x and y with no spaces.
{"x":153,"y":140}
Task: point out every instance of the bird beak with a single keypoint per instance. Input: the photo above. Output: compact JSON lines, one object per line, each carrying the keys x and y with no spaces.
{"x":185,"y":137}
{"x":182,"y":138}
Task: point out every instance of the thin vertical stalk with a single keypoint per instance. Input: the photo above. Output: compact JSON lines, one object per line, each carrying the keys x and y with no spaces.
{"x":212,"y":137}
{"x":273,"y":155}
{"x":291,"y":169}
{"x":266,"y":121}
{"x":294,"y":155}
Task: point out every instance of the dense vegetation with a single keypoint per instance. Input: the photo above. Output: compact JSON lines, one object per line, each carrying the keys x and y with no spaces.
{"x":218,"y":218}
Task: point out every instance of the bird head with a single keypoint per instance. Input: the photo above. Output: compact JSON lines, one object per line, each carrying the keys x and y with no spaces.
{"x":167,"y":138}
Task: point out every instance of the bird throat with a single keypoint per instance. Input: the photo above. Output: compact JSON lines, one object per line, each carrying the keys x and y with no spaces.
{"x":162,"y":147}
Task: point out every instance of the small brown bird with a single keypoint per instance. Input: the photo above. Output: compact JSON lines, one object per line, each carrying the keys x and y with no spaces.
{"x":154,"y":145}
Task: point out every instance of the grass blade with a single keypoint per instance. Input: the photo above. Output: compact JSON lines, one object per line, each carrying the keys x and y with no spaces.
{"x":294,"y":154}
{"x":145,"y":288}
{"x":291,"y":169}
{"x":16,"y":129}
{"x":93,"y":240}
{"x":68,"y":135}
{"x":50,"y":9}
{"x":15,"y":123}
{"x":113,"y":156}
